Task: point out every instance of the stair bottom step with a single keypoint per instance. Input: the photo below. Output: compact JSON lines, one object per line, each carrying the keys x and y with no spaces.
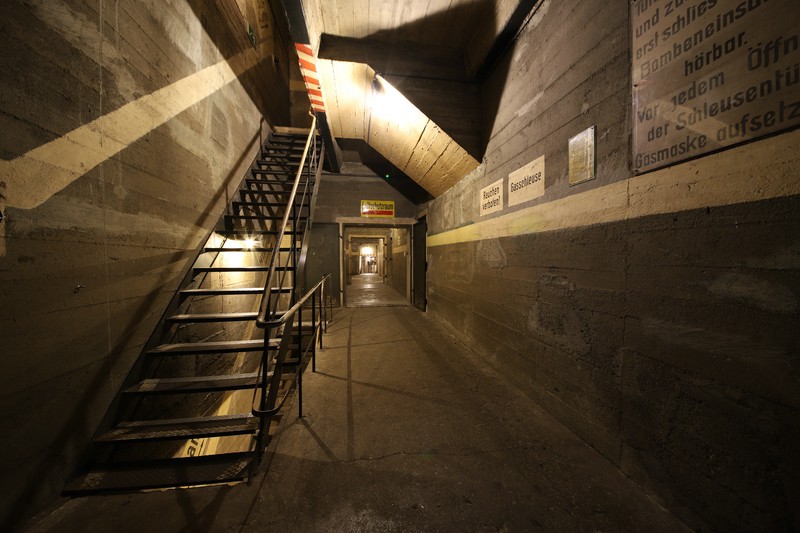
{"x":159,"y":474}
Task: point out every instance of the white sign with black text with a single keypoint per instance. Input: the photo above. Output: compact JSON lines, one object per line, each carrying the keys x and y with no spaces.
{"x":526,"y":183}
{"x":490,"y":199}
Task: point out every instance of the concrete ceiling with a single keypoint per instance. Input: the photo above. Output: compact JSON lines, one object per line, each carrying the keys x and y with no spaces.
{"x":400,"y":75}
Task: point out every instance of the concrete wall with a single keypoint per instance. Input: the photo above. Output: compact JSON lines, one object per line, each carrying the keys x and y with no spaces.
{"x":124,"y":127}
{"x":654,"y":315}
{"x":400,"y":252}
{"x":323,"y":257}
{"x":340,"y":195}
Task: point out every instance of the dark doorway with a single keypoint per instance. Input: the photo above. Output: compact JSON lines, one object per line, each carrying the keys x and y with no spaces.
{"x":420,"y":263}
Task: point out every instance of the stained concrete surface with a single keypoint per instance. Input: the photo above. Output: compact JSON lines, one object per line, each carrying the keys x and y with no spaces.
{"x":405,"y":429}
{"x":369,"y":290}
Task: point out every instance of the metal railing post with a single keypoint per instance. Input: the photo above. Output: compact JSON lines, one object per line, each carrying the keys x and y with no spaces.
{"x":314,"y":333}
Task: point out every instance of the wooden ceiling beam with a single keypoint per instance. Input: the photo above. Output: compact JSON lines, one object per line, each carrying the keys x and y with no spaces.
{"x":400,"y":59}
{"x":365,"y":106}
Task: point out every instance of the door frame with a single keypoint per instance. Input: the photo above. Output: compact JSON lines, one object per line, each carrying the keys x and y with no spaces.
{"x":406,"y":223}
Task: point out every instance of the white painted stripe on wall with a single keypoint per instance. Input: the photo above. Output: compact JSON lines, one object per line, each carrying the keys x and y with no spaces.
{"x":34,"y":177}
{"x":765,"y":169}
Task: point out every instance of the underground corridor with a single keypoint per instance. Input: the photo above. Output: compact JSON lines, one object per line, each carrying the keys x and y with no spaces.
{"x":400,"y":265}
{"x":378,"y":266}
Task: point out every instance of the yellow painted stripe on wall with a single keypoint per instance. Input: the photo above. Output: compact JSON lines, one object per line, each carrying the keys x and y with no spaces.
{"x":757,"y":171}
{"x":42,"y":172}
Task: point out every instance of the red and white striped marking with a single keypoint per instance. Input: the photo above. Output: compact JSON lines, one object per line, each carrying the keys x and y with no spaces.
{"x":308,"y":67}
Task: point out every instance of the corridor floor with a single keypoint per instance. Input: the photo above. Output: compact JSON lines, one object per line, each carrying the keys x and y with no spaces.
{"x":405,"y":429}
{"x":369,"y":290}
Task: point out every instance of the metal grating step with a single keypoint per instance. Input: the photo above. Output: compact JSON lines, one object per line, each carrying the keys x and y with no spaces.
{"x":232,"y":218}
{"x":265,"y":191}
{"x":239,"y":291}
{"x":142,"y":475}
{"x":214,"y":317}
{"x":302,"y":205}
{"x":259,"y":268}
{"x":233,"y":292}
{"x":195,"y":384}
{"x":275,"y":172}
{"x":242,"y":291}
{"x":243,"y":249}
{"x":251,"y":232}
{"x":181,"y":428}
{"x":192,"y":348}
{"x":266,"y":181}
{"x":277,"y":168}
{"x":294,"y":152}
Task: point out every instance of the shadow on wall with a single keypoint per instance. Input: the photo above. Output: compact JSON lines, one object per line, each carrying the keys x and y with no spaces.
{"x":439,"y":84}
{"x":497,"y":67}
{"x":268,"y":83}
{"x":72,"y":431}
{"x":358,"y":150}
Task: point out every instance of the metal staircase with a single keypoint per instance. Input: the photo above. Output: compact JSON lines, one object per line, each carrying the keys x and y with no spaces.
{"x":199,"y":404}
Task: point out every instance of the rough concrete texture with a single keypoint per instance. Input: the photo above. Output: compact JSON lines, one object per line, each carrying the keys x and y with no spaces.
{"x":405,"y":429}
{"x":124,"y":127}
{"x":340,"y":195}
{"x":323,"y":257}
{"x":399,"y":252}
{"x":666,"y":336}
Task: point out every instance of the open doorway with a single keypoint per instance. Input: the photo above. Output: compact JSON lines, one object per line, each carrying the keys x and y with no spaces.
{"x":376,"y":266}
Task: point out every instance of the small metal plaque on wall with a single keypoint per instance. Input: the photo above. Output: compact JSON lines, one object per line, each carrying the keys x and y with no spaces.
{"x":581,"y":157}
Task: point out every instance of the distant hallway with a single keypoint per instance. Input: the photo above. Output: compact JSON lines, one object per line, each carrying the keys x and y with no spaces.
{"x":369,"y":290}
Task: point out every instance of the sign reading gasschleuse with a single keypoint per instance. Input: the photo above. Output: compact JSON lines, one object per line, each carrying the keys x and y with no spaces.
{"x":526,"y":183}
{"x":377,"y":208}
{"x":490,"y":199}
{"x":709,"y":74}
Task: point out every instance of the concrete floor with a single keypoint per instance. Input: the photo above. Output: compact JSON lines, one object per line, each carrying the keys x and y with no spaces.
{"x":369,"y":290}
{"x":405,"y":430}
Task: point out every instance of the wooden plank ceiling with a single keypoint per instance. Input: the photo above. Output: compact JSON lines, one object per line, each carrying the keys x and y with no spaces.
{"x":372,"y":50}
{"x":362,"y":105}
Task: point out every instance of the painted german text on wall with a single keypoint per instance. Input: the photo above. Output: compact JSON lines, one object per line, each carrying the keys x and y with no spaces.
{"x":708,"y":74}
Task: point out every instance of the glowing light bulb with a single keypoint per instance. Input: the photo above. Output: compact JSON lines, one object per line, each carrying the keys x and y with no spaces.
{"x":249,"y":243}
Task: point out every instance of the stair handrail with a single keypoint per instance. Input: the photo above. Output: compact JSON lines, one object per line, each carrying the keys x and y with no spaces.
{"x":285,"y":322}
{"x":264,"y":320}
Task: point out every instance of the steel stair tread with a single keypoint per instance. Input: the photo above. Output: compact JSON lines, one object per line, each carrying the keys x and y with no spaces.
{"x":290,"y":183}
{"x":267,"y":204}
{"x":260,"y":181}
{"x":252,"y":345}
{"x":259,"y":268}
{"x":240,"y":291}
{"x":195,"y":384}
{"x":259,"y":217}
{"x":213,"y":317}
{"x":298,"y":201}
{"x":254,"y":232}
{"x":267,"y":191}
{"x":163,"y":473}
{"x":244,"y":249}
{"x":271,"y":171}
{"x":180,"y":428}
{"x":222,"y":292}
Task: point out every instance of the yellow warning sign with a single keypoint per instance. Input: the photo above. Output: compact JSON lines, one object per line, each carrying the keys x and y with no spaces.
{"x":377,"y":208}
